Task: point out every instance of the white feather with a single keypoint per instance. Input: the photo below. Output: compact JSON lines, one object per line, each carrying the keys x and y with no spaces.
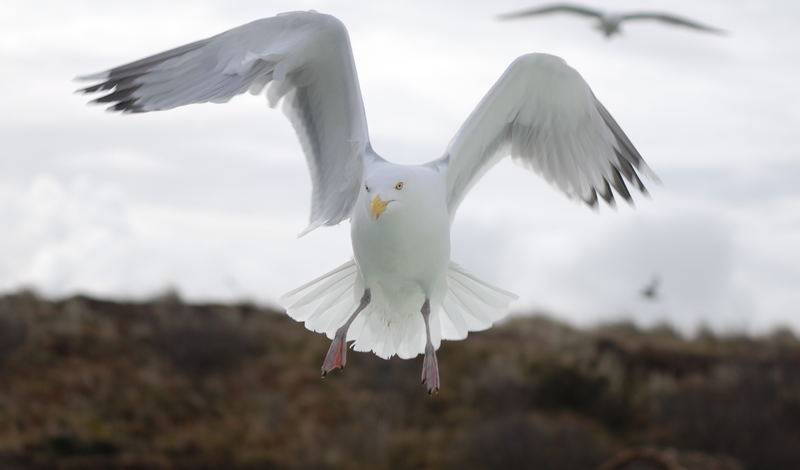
{"x":386,"y":330}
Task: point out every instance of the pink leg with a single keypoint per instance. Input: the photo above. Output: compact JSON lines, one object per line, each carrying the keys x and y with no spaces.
{"x":430,"y":365}
{"x":337,"y":352}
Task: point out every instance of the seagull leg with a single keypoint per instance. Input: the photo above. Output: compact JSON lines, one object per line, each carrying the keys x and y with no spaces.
{"x":337,"y":352}
{"x":430,"y":366}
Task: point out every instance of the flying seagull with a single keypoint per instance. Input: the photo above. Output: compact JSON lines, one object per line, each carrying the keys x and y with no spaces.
{"x":400,"y":294}
{"x":609,"y":23}
{"x":650,"y":291}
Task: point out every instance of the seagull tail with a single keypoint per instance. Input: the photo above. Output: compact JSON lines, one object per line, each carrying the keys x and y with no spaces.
{"x":470,"y":304}
{"x":325,"y":303}
{"x":395,"y":327}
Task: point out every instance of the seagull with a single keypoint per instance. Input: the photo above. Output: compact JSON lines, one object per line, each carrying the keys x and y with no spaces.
{"x":650,"y":291}
{"x":400,"y":294}
{"x":609,"y":23}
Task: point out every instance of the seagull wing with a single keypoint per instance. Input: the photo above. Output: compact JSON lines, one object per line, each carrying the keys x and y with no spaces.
{"x":306,"y":59}
{"x":671,"y":19}
{"x":554,"y":8}
{"x":543,"y":114}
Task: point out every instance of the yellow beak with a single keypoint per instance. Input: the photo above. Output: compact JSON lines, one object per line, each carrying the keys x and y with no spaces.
{"x":378,"y":206}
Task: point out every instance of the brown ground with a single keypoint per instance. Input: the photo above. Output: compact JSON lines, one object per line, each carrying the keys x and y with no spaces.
{"x":92,"y":384}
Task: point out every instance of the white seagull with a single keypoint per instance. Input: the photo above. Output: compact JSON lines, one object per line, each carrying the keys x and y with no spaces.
{"x":609,"y":23}
{"x":400,"y":294}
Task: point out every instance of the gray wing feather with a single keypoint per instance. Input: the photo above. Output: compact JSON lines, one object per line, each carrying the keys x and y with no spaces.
{"x":672,"y":19}
{"x":543,"y":114}
{"x":306,"y":60}
{"x":554,"y":8}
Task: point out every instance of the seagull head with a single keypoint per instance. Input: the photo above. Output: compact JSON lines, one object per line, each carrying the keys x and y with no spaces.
{"x":388,"y":188}
{"x":382,"y":191}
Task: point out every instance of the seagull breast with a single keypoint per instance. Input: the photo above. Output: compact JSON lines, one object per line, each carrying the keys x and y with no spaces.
{"x":400,"y":226}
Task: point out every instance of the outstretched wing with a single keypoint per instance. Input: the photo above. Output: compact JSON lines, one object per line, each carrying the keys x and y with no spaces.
{"x":544,"y":115}
{"x":555,"y":8}
{"x":306,"y":59}
{"x":672,"y":19}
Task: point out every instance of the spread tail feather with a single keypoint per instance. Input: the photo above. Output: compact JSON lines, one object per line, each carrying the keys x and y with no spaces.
{"x":470,"y":304}
{"x":325,"y":304}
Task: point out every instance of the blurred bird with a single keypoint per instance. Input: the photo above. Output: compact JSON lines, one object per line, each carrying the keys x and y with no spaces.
{"x":650,"y":291}
{"x":400,"y":294}
{"x":609,"y":23}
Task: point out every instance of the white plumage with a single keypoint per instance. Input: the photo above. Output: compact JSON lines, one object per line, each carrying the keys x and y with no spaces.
{"x":325,"y":303}
{"x":401,"y":294}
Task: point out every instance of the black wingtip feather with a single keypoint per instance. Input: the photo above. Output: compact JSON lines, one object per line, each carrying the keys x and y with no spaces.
{"x":628,"y":172}
{"x":117,"y":95}
{"x":591,"y":201}
{"x":107,"y":85}
{"x":607,"y":195}
{"x":122,"y":87}
{"x":619,"y":185}
{"x":127,"y":106}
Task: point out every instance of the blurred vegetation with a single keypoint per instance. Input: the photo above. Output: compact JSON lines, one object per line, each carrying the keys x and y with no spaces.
{"x":93,"y":384}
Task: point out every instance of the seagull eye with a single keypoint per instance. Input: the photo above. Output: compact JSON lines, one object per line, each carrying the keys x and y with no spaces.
{"x":398,"y":186}
{"x":366,"y":187}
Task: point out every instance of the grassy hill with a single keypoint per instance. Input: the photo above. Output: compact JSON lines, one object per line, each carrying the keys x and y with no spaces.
{"x":93,"y":384}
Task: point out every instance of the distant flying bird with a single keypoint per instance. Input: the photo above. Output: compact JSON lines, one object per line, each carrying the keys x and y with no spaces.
{"x":650,"y":291}
{"x":609,"y":23}
{"x":400,"y":294}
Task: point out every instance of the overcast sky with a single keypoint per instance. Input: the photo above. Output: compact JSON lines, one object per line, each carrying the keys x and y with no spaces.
{"x":208,"y":199}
